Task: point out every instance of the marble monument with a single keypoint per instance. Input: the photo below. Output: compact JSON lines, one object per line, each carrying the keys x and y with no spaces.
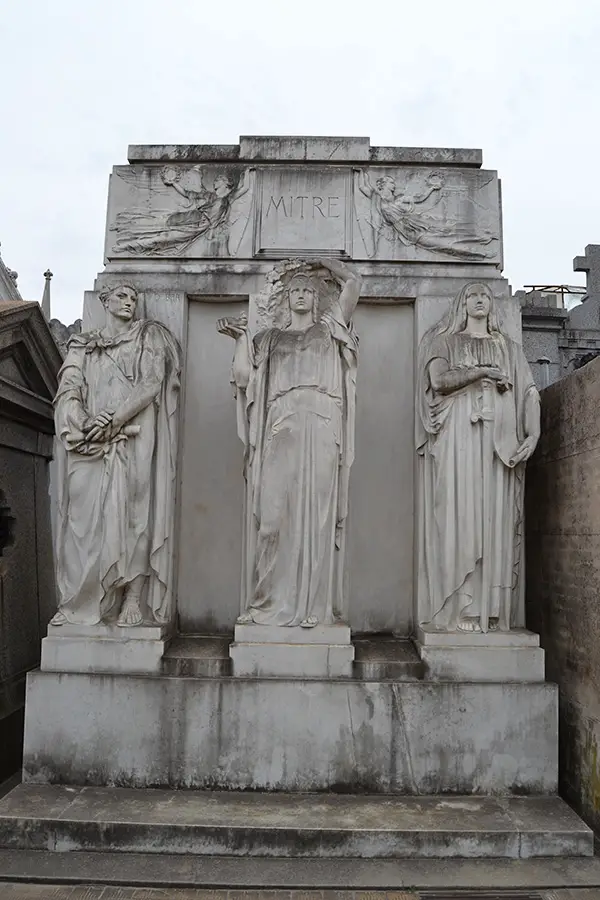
{"x":321,"y":605}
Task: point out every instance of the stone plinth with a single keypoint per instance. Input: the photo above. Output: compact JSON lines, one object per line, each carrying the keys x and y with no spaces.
{"x":291,"y":734}
{"x":267,"y":825}
{"x":506,"y":656}
{"x":104,"y":649}
{"x":262,"y":651}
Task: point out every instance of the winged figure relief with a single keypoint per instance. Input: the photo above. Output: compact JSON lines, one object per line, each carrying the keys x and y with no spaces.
{"x":407,"y":213}
{"x":206,"y":213}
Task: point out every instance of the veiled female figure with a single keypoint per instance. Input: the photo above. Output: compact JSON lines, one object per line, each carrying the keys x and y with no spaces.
{"x":477,"y":424}
{"x":296,"y":388}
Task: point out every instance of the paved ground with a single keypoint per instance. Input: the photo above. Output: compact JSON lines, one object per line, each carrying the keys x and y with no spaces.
{"x":57,"y":892}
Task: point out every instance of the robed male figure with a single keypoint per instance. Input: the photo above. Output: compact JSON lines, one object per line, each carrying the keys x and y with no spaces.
{"x":116,"y":428}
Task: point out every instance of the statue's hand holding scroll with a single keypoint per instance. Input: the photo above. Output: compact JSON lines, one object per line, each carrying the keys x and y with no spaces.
{"x":95,"y":430}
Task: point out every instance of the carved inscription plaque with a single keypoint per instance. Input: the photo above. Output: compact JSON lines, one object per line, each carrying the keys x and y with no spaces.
{"x":303,"y":211}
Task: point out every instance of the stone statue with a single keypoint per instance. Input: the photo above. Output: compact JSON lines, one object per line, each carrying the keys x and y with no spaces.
{"x":477,"y":424}
{"x":295,"y":384}
{"x":116,"y":446}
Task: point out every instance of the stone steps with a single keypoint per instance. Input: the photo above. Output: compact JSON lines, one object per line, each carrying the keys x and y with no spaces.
{"x":218,"y":873}
{"x":377,"y":658}
{"x":277,"y":825}
{"x":97,"y":892}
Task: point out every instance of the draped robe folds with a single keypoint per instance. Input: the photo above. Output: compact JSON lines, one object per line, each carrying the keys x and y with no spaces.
{"x":116,"y":498}
{"x":471,"y":508}
{"x":296,"y":419}
{"x":152,"y":231}
{"x":418,"y":228}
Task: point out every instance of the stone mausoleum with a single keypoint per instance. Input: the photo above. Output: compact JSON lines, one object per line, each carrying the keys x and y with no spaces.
{"x":291,"y":451}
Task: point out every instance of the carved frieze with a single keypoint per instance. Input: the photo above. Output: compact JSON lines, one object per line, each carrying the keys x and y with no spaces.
{"x":399,"y":213}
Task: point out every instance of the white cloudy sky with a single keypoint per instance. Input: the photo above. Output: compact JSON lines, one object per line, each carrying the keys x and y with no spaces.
{"x":81,"y":79}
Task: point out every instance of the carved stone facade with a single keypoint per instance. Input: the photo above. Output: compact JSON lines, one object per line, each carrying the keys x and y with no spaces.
{"x":295,"y":247}
{"x":245,"y":208}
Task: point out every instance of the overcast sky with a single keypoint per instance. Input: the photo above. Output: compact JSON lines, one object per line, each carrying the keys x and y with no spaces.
{"x":82,"y":79}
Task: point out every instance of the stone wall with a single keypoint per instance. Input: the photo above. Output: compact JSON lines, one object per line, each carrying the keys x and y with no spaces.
{"x":563,"y":573}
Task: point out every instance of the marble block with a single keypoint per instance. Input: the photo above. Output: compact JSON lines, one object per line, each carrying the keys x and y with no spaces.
{"x":278,"y":734}
{"x":292,"y":660}
{"x":495,"y":656}
{"x":516,"y":637}
{"x":275,"y":634}
{"x":104,"y":649}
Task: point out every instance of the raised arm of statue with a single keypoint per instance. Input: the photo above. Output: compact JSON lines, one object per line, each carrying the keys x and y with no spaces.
{"x":364,"y":185}
{"x":242,"y":364}
{"x":351,"y":285}
{"x":434,"y":183}
{"x":244,"y":185}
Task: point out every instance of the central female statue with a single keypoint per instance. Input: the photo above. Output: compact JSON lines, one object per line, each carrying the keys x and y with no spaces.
{"x":295,"y":387}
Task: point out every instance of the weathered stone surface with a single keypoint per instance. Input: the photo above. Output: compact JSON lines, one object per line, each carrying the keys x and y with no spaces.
{"x":197,"y":656}
{"x":513,"y":655}
{"x":293,"y":735}
{"x":275,"y":825}
{"x":300,"y":148}
{"x":479,"y":664}
{"x":406,"y":204}
{"x":381,"y":658}
{"x":122,"y":653}
{"x":280,"y":660}
{"x":563,"y":578}
{"x":278,"y":634}
{"x":275,"y":877}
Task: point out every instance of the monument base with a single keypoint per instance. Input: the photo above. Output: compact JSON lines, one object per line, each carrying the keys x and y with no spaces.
{"x":268,"y":734}
{"x":268,"y":651}
{"x":503,"y":656}
{"x":104,"y":649}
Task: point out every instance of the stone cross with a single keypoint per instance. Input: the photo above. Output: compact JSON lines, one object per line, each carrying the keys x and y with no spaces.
{"x":590,"y":264}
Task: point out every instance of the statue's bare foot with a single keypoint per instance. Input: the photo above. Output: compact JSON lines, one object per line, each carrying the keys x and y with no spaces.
{"x":130,"y":614}
{"x":244,"y":619}
{"x":58,"y":618}
{"x":471,"y":625}
{"x":309,"y":622}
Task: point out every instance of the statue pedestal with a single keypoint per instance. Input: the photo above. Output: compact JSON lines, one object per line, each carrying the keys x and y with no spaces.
{"x":107,"y":649}
{"x":506,"y":656}
{"x":324,"y":651}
